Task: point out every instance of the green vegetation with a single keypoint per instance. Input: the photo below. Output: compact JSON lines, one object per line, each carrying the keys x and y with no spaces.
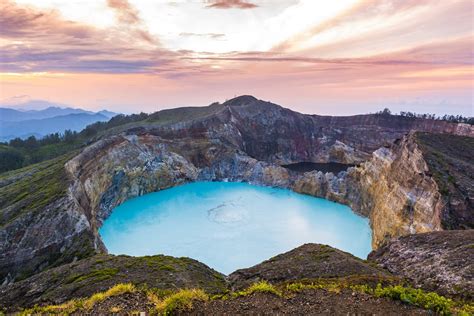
{"x":10,"y":158}
{"x":168,"y":302}
{"x":113,"y":291}
{"x":408,"y":295}
{"x":81,"y":304}
{"x":324,"y":254}
{"x":259,"y":287}
{"x":20,"y":153}
{"x":180,"y":301}
{"x":96,"y":275}
{"x":449,"y":160}
{"x":162,"y":262}
{"x":298,"y":287}
{"x":32,"y":188}
{"x":428,"y":116}
{"x":183,"y":114}
{"x":418,"y":297}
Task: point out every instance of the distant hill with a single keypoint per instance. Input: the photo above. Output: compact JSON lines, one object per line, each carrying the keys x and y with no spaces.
{"x":44,"y":126}
{"x":13,"y":115}
{"x":28,"y":104}
{"x":30,"y":119}
{"x":109,"y":114}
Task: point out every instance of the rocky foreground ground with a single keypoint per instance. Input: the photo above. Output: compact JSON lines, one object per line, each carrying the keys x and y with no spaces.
{"x":311,"y":279}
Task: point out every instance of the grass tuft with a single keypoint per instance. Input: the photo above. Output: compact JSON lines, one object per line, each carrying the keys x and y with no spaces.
{"x":179,"y":301}
{"x":167,"y":302}
{"x":259,"y":287}
{"x":65,"y":308}
{"x":118,"y":289}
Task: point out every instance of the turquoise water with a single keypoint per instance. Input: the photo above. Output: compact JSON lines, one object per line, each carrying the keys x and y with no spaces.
{"x":229,"y":226}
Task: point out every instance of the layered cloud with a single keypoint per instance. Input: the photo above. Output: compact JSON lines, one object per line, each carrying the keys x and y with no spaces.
{"x":307,"y":51}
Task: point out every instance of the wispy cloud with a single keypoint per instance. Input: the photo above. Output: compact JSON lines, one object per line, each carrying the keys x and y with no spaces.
{"x":129,"y":17}
{"x":126,"y":13}
{"x":230,"y":4}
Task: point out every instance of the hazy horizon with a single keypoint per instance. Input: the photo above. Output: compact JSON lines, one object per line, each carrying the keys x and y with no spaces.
{"x":38,"y":105}
{"x":342,"y":58}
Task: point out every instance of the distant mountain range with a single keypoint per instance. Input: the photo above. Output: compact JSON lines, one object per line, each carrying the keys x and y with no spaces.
{"x":23,"y":123}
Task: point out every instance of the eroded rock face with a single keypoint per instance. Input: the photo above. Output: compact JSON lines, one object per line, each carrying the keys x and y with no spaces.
{"x":400,"y":196}
{"x":242,"y":140}
{"x":441,"y":261}
{"x":399,"y":188}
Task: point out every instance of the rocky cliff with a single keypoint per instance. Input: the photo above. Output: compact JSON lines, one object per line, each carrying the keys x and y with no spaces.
{"x":403,"y":192}
{"x":50,"y":213}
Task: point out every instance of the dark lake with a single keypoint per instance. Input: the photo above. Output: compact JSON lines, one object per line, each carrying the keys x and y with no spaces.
{"x":333,"y":167}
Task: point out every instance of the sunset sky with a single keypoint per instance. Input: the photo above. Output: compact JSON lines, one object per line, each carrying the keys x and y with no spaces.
{"x":315,"y":56}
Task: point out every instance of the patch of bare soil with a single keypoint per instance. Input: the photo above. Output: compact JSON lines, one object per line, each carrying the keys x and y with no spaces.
{"x":125,"y":304}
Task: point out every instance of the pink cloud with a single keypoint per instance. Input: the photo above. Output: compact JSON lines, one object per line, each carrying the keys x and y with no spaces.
{"x":230,"y":4}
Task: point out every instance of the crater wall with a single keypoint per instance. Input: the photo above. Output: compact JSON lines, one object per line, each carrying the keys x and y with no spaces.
{"x":246,"y":140}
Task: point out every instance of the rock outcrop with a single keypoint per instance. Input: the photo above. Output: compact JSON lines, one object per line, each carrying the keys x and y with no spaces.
{"x":437,"y":261}
{"x":310,"y":261}
{"x":244,"y":139}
